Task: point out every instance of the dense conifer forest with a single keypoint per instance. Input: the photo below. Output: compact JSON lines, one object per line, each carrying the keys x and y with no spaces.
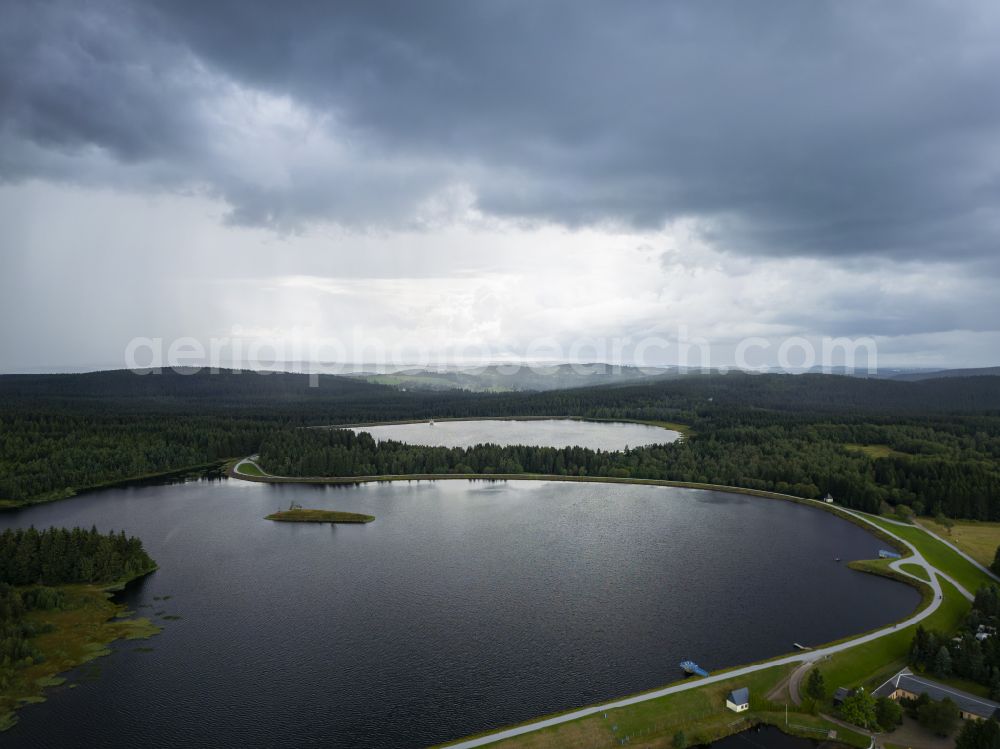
{"x":974,"y":654}
{"x":35,"y":561}
{"x":809,"y":465}
{"x":933,"y":445}
{"x":57,"y":556}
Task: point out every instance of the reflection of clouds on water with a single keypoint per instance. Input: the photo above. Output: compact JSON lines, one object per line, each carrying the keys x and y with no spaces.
{"x":489,"y":487}
{"x":721,"y":498}
{"x":170,"y":535}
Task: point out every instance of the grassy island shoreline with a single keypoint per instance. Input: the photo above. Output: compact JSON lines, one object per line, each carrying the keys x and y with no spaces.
{"x":56,"y":606}
{"x":71,"y":636}
{"x":302,"y":515}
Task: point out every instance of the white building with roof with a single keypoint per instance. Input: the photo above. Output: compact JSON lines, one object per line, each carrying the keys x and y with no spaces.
{"x":738,"y":700}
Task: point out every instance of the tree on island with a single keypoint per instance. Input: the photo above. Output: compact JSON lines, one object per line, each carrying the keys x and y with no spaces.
{"x":815,"y":685}
{"x":680,"y":740}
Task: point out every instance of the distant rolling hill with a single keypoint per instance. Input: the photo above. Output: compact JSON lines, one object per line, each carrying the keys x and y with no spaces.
{"x":340,"y":399}
{"x":499,"y":378}
{"x":938,"y":374}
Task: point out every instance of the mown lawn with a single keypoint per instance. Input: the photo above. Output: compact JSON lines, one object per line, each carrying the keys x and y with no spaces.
{"x":699,"y":713}
{"x":915,"y":569}
{"x":938,"y":554}
{"x":250,"y":469}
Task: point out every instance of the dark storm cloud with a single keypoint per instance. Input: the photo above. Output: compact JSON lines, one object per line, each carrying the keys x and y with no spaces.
{"x":816,"y":128}
{"x":80,"y":75}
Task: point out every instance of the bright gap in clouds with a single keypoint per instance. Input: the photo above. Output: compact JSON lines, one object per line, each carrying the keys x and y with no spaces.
{"x":476,"y":290}
{"x":470,"y":183}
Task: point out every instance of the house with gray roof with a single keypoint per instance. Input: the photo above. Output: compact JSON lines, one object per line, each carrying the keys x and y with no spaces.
{"x":908,"y":685}
{"x":842,"y":694}
{"x":738,"y":700}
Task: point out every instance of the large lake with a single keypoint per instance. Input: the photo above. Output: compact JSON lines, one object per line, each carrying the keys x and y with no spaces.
{"x":596,"y":435}
{"x":464,"y":606}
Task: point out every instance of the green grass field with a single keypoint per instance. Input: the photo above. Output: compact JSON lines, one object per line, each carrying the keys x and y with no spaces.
{"x":699,"y":713}
{"x":250,"y":469}
{"x":915,"y":569}
{"x":977,"y":539}
{"x":938,"y":554}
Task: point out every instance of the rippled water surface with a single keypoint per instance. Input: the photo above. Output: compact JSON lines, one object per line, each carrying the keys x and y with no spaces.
{"x":597,"y":435}
{"x":464,"y":606}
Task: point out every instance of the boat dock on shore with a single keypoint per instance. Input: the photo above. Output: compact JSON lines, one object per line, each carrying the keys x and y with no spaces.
{"x":690,"y":667}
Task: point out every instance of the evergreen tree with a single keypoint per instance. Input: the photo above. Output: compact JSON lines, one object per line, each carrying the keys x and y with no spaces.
{"x":57,"y":556}
{"x":815,"y":685}
{"x":942,"y":662}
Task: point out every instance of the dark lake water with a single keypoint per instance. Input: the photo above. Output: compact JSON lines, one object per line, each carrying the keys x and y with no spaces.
{"x":764,"y":737}
{"x":603,"y":435}
{"x":464,"y":606}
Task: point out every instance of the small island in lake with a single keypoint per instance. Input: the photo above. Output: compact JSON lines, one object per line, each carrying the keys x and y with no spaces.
{"x":298,"y":514}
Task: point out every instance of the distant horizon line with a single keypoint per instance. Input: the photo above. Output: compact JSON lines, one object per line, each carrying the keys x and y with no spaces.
{"x":357,"y":369}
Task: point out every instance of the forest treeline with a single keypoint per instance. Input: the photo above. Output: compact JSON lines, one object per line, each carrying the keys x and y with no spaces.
{"x":974,"y":654}
{"x":32,"y":561}
{"x":57,"y":556}
{"x":939,"y":439}
{"x":806,"y":462}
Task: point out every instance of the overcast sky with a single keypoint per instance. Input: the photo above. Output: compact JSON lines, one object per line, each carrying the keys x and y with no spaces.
{"x":502,"y":179}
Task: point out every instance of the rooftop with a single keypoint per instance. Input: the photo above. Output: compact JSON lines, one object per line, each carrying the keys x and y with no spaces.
{"x":739,"y":696}
{"x":967,"y":703}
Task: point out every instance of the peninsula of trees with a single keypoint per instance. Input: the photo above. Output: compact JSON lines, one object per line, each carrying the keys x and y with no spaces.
{"x":54,"y":608}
